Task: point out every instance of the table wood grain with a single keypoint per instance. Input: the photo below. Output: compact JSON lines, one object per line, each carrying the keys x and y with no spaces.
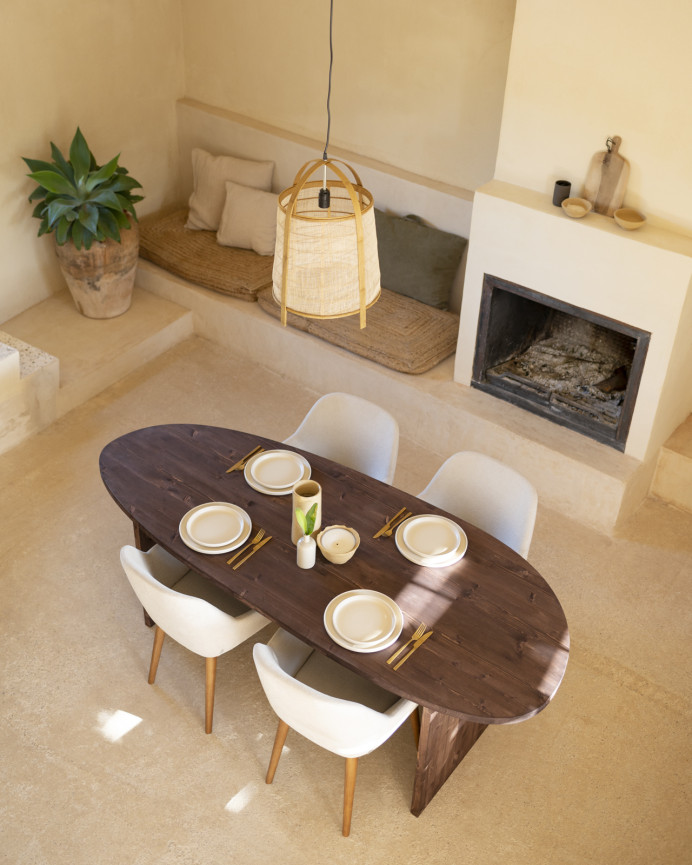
{"x":500,"y":644}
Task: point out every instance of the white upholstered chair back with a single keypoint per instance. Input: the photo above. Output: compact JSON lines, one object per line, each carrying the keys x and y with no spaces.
{"x":353,"y":431}
{"x":351,"y":720}
{"x":487,"y":493}
{"x":192,"y":611}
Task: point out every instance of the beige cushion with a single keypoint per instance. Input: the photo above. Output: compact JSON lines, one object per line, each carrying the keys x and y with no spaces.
{"x":401,"y":333}
{"x":248,"y":219}
{"x":210,"y":174}
{"x":197,"y":257}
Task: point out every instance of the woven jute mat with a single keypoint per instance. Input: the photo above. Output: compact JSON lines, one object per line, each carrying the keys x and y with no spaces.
{"x":197,"y":257}
{"x":401,"y":333}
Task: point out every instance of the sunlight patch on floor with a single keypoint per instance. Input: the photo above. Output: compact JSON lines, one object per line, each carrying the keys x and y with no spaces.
{"x":241,"y":799}
{"x":114,"y":725}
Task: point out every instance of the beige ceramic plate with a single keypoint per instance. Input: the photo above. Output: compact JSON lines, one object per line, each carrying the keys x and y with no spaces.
{"x":371,"y":605}
{"x":276,"y":472}
{"x":431,"y":561}
{"x":240,"y":539}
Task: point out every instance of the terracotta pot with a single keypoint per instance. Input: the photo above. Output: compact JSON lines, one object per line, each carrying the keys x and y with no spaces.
{"x":101,"y":279}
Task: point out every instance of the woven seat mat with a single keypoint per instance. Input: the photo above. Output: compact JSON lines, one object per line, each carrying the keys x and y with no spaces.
{"x":197,"y":257}
{"x":402,"y":333}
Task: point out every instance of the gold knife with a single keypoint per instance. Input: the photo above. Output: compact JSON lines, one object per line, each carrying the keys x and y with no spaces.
{"x":242,"y":550}
{"x":396,"y":523}
{"x":388,"y":523}
{"x":252,"y":552}
{"x":241,"y":462}
{"x":415,"y":646}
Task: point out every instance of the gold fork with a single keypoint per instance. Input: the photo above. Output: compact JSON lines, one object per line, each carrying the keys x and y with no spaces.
{"x":258,"y":537}
{"x":420,"y":630}
{"x":388,"y":531}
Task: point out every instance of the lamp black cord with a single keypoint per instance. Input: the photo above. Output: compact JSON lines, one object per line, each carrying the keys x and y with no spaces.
{"x":324,"y":196}
{"x":329,"y":89}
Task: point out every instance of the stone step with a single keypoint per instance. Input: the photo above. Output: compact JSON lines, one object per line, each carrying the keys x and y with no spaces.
{"x":91,"y":353}
{"x":673,"y":478}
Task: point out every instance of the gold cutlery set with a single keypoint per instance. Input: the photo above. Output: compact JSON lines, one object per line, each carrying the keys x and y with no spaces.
{"x":419,"y":636}
{"x":241,"y":462}
{"x":391,"y":524}
{"x":250,"y":548}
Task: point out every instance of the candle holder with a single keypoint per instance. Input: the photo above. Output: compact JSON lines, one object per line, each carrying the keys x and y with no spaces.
{"x":338,"y":543}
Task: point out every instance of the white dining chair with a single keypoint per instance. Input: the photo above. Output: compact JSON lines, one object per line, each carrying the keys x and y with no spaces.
{"x":487,"y":493}
{"x":352,"y":431}
{"x":190,"y":609}
{"x":329,"y":705}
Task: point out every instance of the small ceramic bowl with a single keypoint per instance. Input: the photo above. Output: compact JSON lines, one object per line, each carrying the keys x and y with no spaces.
{"x":338,"y":543}
{"x":629,"y":218}
{"x":576,"y":207}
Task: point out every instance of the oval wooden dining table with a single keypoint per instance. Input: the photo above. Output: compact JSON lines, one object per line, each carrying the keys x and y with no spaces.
{"x":500,"y":639}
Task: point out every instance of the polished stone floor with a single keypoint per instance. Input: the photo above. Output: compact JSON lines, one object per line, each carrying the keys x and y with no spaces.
{"x":100,"y":767}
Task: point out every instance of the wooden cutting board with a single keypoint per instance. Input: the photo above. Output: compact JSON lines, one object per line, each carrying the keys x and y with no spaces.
{"x":606,"y":179}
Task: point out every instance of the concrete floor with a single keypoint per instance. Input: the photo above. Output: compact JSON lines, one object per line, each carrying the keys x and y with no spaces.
{"x":601,"y":776}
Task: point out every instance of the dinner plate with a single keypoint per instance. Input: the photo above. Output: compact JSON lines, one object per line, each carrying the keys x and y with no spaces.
{"x":430,"y":535}
{"x":213,"y":549}
{"x":363,"y":620}
{"x":439,"y":560}
{"x":214,"y":525}
{"x":277,"y":472}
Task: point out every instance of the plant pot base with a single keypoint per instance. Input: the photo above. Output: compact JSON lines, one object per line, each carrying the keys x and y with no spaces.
{"x":101,"y":279}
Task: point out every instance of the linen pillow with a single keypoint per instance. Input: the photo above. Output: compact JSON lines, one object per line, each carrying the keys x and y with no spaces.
{"x":417,"y":260}
{"x":248,"y":220}
{"x":210,"y":174}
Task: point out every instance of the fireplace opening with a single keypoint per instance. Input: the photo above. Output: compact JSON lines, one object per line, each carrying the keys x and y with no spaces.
{"x":570,"y":365}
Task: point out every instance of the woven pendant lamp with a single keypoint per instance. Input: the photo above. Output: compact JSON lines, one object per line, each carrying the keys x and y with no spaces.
{"x":325,"y":261}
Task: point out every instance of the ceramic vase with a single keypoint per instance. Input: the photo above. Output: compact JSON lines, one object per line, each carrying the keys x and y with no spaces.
{"x":305,"y":494}
{"x":306,"y":549}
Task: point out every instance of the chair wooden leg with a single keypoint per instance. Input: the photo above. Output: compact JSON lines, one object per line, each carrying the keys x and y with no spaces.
{"x":349,"y":790}
{"x":279,"y":739}
{"x":415,"y":724}
{"x":155,"y":654}
{"x":210,"y":687}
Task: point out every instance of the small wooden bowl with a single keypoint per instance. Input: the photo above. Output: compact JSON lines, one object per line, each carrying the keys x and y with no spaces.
{"x":576,"y":207}
{"x":338,"y":543}
{"x":629,"y":219}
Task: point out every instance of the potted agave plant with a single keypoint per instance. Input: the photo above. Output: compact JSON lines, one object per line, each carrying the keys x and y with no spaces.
{"x":90,"y":210}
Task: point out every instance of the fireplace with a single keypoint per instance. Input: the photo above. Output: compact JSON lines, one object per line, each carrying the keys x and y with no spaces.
{"x":573,"y":366}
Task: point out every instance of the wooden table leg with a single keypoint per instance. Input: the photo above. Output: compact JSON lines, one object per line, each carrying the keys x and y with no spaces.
{"x":143,"y":542}
{"x":444,"y":742}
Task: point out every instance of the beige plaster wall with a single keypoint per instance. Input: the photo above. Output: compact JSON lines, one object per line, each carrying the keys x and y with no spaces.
{"x":580,"y":72}
{"x":116,"y":70}
{"x":415,"y":85}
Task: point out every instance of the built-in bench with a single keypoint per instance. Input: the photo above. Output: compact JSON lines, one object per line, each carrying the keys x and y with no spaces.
{"x":402,"y":333}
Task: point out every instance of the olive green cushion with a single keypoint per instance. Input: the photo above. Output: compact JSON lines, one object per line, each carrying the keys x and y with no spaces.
{"x":417,"y":260}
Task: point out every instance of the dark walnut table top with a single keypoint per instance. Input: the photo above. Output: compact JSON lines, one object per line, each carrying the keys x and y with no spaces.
{"x":500,"y":643}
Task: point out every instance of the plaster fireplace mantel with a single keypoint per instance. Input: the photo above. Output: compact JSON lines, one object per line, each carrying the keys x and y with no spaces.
{"x":641,"y":278}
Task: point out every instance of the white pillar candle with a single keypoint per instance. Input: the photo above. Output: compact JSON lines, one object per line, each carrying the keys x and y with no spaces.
{"x":338,"y":540}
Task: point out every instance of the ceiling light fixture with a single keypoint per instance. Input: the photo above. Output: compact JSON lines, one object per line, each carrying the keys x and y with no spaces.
{"x":326,"y":263}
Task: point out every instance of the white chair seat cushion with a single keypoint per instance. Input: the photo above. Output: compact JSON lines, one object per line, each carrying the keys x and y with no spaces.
{"x":334,"y":680}
{"x":198,"y":587}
